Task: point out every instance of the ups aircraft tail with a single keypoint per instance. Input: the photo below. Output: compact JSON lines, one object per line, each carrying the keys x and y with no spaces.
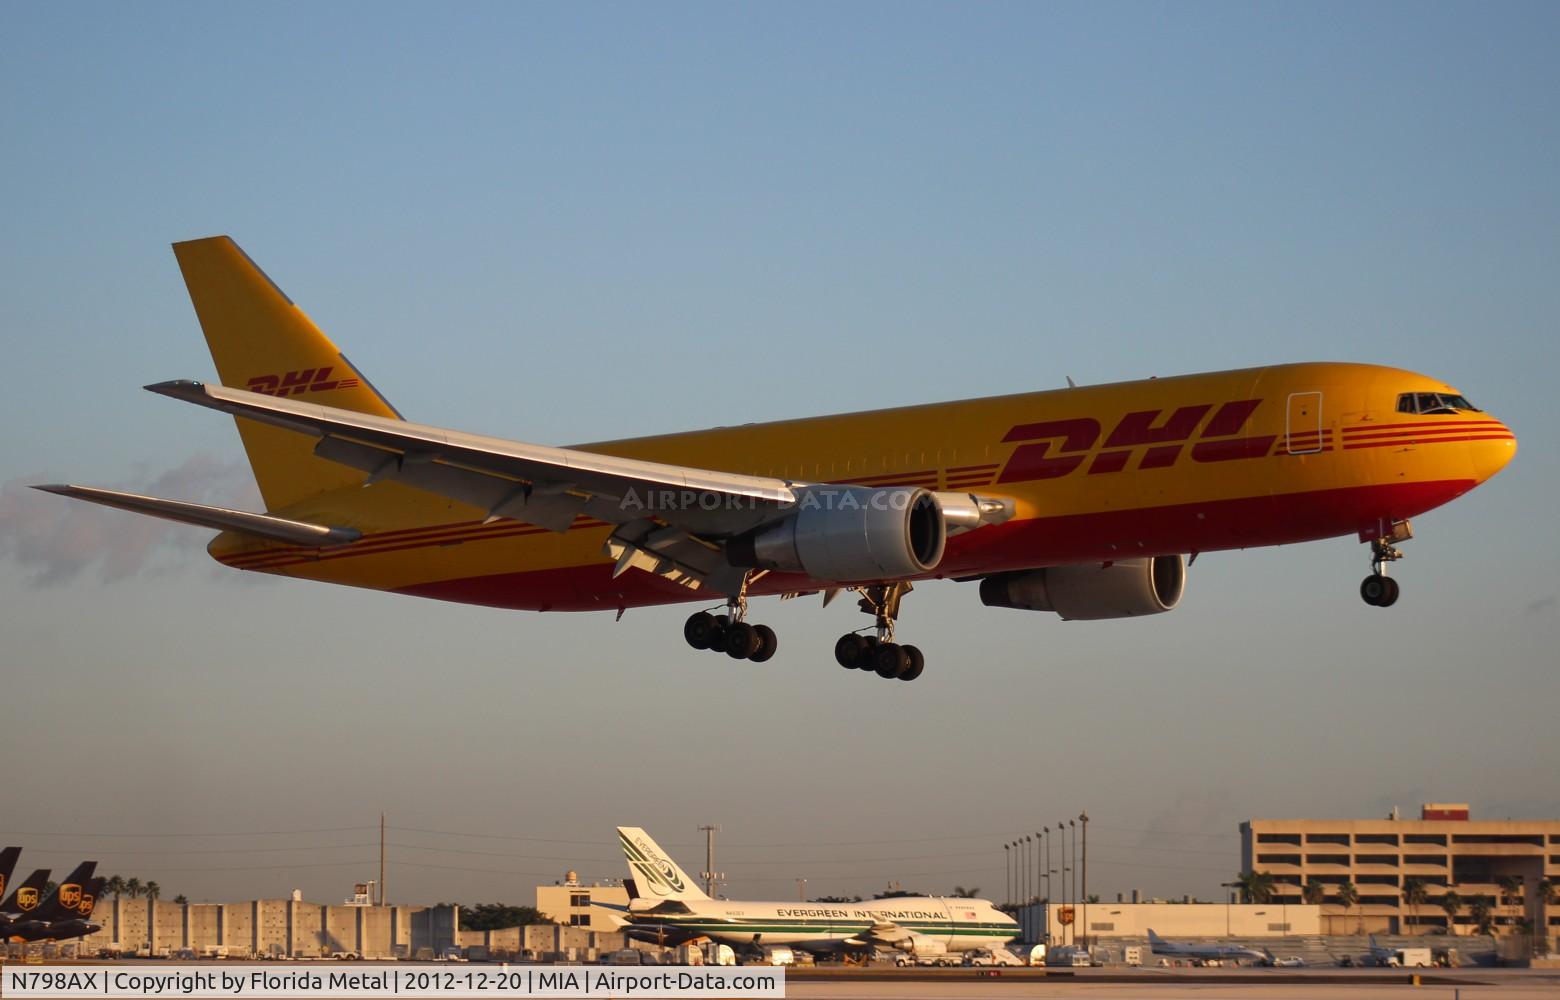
{"x":24,"y":899}
{"x":90,"y":894}
{"x":262,"y":342}
{"x":65,"y":903}
{"x":655,"y":874}
{"x":7,"y":866}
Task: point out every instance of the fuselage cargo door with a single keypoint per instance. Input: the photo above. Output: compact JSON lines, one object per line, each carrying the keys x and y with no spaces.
{"x":1303,"y":427}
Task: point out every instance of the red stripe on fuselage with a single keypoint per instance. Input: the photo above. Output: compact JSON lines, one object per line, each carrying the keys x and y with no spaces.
{"x":1411,"y":441}
{"x":1050,"y":541}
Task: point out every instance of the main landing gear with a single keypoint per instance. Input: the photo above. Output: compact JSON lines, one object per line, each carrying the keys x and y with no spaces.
{"x":1379,"y":590}
{"x":730,"y":633}
{"x":879,"y":653}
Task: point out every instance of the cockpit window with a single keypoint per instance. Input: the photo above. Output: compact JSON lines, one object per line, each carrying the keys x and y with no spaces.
{"x":1433,"y":402}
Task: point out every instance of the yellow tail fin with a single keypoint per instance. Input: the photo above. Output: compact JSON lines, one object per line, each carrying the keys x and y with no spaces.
{"x":261,"y":341}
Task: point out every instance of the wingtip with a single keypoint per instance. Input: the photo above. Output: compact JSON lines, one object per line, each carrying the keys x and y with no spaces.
{"x":60,"y":488}
{"x":179,"y":387}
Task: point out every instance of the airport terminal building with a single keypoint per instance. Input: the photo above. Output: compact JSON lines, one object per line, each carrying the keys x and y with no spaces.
{"x":1505,"y":862}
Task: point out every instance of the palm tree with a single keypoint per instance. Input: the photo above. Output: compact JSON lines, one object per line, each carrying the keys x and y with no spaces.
{"x":1314,"y":892}
{"x":152,"y":890}
{"x":1482,"y":912}
{"x":1451,"y":903}
{"x":1347,"y":897}
{"x":181,"y":899}
{"x":115,"y":885}
{"x":1548,"y":892}
{"x":1415,"y":894}
{"x":133,"y":887}
{"x":1511,"y":889}
{"x":964,"y":893}
{"x":1255,"y":887}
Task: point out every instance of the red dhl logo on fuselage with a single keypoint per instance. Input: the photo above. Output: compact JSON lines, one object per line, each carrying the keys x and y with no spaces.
{"x":299,"y":382}
{"x":1059,"y":447}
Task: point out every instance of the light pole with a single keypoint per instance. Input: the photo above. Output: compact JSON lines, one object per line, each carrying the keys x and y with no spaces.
{"x":1083,"y":818}
{"x":1074,"y":825}
{"x":1007,"y":868}
{"x":1045,"y":870}
{"x":1036,"y":896}
{"x":1029,"y":896}
{"x":1062,"y":827}
{"x":801,"y":890}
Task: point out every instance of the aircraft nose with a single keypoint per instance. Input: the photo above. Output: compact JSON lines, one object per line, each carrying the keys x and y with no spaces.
{"x":1490,"y":452}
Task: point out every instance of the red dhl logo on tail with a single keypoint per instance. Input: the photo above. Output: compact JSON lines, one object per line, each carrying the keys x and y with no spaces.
{"x":1159,"y":439}
{"x":299,"y":382}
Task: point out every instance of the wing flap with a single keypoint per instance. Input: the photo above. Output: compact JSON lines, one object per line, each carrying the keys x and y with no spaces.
{"x":269,"y":526}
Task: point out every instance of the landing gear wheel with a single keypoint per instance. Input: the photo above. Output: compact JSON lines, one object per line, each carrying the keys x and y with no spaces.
{"x":768,"y":642}
{"x":718,"y":633}
{"x":699,"y":629}
{"x":849,"y":650}
{"x":1379,"y":591}
{"x":741,"y":640}
{"x":890,"y":660}
{"x":868,"y":657}
{"x":916,"y":665}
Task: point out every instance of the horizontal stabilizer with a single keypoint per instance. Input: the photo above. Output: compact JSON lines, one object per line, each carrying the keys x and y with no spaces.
{"x":278,"y":529}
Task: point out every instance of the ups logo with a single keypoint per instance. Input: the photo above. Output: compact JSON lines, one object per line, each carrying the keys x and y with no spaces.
{"x":1158,"y":441}
{"x":2,"y":885}
{"x":70,"y":895}
{"x":27,"y":898}
{"x":299,"y":382}
{"x":85,"y":906}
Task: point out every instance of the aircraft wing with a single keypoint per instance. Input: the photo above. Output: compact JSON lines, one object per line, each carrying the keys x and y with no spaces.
{"x":885,"y":932}
{"x":670,"y":516}
{"x":278,"y":529}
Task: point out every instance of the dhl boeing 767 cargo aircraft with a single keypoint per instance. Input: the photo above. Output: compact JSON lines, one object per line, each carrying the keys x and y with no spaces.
{"x":1084,"y":501}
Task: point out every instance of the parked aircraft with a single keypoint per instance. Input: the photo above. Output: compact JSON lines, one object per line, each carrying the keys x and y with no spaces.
{"x":1213,"y":951}
{"x":670,"y":908}
{"x":63,"y":914}
{"x":8,"y":858}
{"x":1083,"y":501}
{"x":25,"y":897}
{"x":70,"y":916}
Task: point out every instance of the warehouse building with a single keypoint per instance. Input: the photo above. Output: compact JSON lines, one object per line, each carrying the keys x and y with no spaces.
{"x":1064,"y":923}
{"x":275,"y":928}
{"x":1509,"y":863}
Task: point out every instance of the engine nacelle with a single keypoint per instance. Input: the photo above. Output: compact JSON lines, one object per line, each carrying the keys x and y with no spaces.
{"x":920,"y":944}
{"x":1124,"y":589}
{"x":851,"y":533}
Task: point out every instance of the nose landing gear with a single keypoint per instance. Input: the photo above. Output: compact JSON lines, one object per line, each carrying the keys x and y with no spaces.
{"x":1379,"y":590}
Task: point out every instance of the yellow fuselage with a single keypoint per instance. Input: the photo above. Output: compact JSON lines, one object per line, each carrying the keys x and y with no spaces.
{"x":1260,"y":456}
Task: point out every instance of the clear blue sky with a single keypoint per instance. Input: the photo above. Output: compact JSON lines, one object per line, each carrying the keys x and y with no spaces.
{"x":566,"y":223}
